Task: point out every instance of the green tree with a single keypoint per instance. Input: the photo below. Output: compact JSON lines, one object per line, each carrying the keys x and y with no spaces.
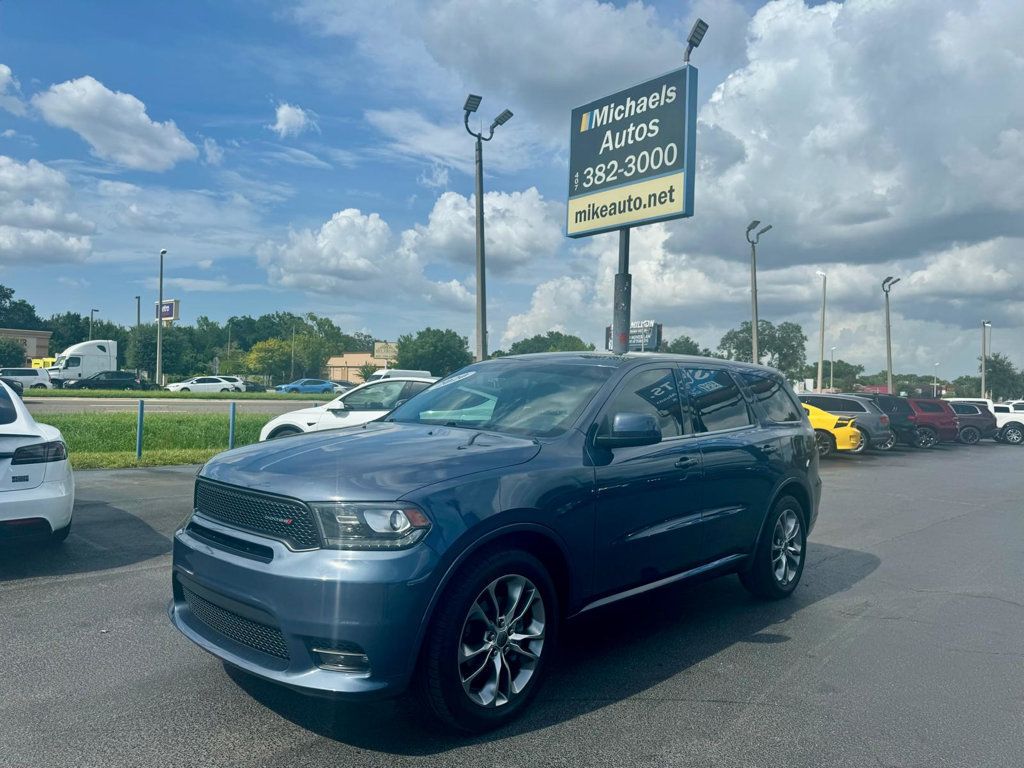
{"x":311,"y":353}
{"x":271,"y":357}
{"x":1002,"y":378}
{"x":552,"y":341}
{"x":366,"y":370}
{"x":844,"y":375}
{"x":17,"y":313}
{"x":684,"y":345}
{"x":67,"y":328}
{"x":179,"y":358}
{"x":12,"y":353}
{"x":783,"y":346}
{"x":434,"y":350}
{"x":967,"y":386}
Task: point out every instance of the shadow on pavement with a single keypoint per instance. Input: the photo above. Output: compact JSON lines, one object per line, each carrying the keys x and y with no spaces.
{"x":605,"y":656}
{"x":102,"y":537}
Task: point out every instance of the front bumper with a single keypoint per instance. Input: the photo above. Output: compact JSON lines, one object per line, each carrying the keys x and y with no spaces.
{"x":374,"y":601}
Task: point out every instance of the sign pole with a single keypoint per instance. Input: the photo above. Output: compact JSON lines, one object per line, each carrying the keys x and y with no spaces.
{"x":623,"y":295}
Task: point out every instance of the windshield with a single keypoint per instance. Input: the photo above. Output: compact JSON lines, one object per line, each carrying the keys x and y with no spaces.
{"x":533,"y":400}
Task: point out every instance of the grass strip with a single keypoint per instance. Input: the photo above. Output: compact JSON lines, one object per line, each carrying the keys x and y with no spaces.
{"x":162,"y":394}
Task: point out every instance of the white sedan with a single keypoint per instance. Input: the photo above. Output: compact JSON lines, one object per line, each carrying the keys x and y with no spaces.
{"x":204,"y":384}
{"x":37,"y":488}
{"x":357,"y":406}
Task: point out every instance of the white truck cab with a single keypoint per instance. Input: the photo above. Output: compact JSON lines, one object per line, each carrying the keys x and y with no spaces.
{"x":84,"y":359}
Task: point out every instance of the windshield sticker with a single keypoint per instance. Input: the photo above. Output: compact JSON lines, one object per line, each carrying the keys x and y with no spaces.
{"x":453,"y":379}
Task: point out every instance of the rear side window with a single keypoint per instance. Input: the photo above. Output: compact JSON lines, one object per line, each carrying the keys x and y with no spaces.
{"x":653,"y":391}
{"x":717,"y":401}
{"x":1001,"y":408}
{"x":965,"y":409}
{"x":7,"y":411}
{"x":926,"y":407}
{"x":1018,"y":406}
{"x":812,"y":400}
{"x":894,"y":405}
{"x":772,"y":398}
{"x":848,"y":405}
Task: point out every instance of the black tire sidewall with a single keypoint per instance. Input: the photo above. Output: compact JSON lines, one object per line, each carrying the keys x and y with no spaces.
{"x":759,"y":578}
{"x":440,"y":685}
{"x":971,"y":431}
{"x":829,"y":442}
{"x":922,"y":431}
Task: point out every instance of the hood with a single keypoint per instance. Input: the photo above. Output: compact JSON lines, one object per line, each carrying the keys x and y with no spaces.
{"x":378,"y":461}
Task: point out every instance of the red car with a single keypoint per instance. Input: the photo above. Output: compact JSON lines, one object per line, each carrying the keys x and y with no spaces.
{"x":936,"y":421}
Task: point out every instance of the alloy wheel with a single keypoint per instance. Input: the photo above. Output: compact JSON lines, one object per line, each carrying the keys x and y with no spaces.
{"x":969,"y":435}
{"x":787,"y":548}
{"x":501,"y":642}
{"x":925,"y":438}
{"x":823,"y":441}
{"x":1013,"y":434}
{"x":864,"y":442}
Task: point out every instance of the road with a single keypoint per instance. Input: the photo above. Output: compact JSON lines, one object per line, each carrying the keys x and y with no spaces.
{"x":903,"y":646}
{"x":160,"y":405}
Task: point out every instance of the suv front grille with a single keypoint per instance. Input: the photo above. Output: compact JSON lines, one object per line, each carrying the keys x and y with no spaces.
{"x":289,"y":520}
{"x":243,"y":631}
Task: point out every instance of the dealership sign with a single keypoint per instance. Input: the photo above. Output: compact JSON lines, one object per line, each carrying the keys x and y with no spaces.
{"x":385,"y":350}
{"x":644,"y":336}
{"x":632,"y":155}
{"x":169,"y":310}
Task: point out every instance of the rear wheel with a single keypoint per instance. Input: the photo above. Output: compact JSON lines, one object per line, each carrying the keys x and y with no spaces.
{"x":1013,"y":433}
{"x":487,"y":649}
{"x":865,"y":441}
{"x":885,"y":444}
{"x":825,"y":442}
{"x":969,"y":435}
{"x":225,"y":389}
{"x":925,"y":437}
{"x":778,"y":562}
{"x":59,"y":536}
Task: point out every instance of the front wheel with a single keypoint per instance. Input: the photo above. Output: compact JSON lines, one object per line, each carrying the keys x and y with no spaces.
{"x":184,"y":389}
{"x":825,"y":443}
{"x":778,"y":562}
{"x":1013,"y":434}
{"x":969,"y":435}
{"x":225,"y":389}
{"x":925,"y":437}
{"x":285,"y":432}
{"x":38,"y":386}
{"x":487,"y":650}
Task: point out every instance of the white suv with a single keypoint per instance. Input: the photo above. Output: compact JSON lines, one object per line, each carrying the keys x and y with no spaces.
{"x":357,"y":406}
{"x":30,"y":378}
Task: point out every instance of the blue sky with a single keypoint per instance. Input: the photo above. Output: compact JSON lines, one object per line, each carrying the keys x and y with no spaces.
{"x":309,"y":156}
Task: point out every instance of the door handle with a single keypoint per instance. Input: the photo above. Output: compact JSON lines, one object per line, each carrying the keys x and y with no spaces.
{"x":768,"y":450}
{"x":686,"y":461}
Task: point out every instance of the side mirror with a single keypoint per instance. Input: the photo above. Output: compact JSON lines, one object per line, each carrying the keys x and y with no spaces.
{"x":338,"y":406}
{"x":630,"y":429}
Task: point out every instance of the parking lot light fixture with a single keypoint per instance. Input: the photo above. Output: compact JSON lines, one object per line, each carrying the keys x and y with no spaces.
{"x":832,"y":369}
{"x":754,"y":356}
{"x":935,"y":381}
{"x":160,"y":322}
{"x":471,"y":106}
{"x":821,"y":334}
{"x":697,"y":32}
{"x":887,"y":285}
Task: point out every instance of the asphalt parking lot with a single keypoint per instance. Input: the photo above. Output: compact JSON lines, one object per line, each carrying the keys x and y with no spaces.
{"x":903,"y":646}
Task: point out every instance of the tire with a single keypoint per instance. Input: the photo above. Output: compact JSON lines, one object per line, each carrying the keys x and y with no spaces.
{"x":59,"y":536}
{"x":1013,"y":433}
{"x":38,"y":386}
{"x":458,"y":694}
{"x":886,"y":444}
{"x":762,"y":579}
{"x":284,"y":432}
{"x":184,"y":389}
{"x":969,"y":435}
{"x":825,"y":443}
{"x":225,"y":389}
{"x":865,"y":441}
{"x":925,"y":437}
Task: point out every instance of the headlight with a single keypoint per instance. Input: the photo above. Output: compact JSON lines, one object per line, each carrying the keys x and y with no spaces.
{"x":370,"y":525}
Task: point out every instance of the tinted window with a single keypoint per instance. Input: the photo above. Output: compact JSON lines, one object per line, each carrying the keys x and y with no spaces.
{"x":653,"y":392}
{"x":74,"y":361}
{"x":927,"y":407}
{"x":812,"y":400}
{"x":717,"y":400}
{"x":520,"y":398}
{"x":773,"y":398}
{"x":207,"y":380}
{"x":965,"y":409}
{"x":376,"y":397}
{"x":101,"y":348}
{"x":7,"y":411}
{"x":1001,"y":408}
{"x":848,"y":405}
{"x":1018,"y":407}
{"x":894,"y":405}
{"x":414,"y":388}
{"x":18,"y":372}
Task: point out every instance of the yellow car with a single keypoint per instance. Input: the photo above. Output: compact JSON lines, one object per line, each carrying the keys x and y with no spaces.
{"x":831,"y":432}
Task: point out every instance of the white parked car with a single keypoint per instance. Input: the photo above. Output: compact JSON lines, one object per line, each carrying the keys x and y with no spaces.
{"x":30,"y":378}
{"x":359,"y":405}
{"x":37,"y":488}
{"x":205,"y":384}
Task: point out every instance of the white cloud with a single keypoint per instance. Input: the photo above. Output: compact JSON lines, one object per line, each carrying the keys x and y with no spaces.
{"x":10,"y":92}
{"x":204,"y":285}
{"x":436,"y":177}
{"x":115,"y":125}
{"x":36,"y":226}
{"x":295,"y":156}
{"x":213,"y":153}
{"x":292,"y":121}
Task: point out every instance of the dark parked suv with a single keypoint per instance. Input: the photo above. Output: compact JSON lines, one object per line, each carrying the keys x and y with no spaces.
{"x":868,"y":417}
{"x":445,"y":544}
{"x":976,"y":422}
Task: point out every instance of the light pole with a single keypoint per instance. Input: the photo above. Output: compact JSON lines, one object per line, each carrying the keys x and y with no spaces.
{"x":160,"y":323}
{"x":984,"y":353}
{"x":832,"y":370}
{"x":887,"y":285}
{"x":138,"y":322}
{"x":471,"y":106}
{"x":821,"y":334}
{"x":92,"y":313}
{"x":754,"y":356}
{"x":293,"y":354}
{"x":935,"y":381}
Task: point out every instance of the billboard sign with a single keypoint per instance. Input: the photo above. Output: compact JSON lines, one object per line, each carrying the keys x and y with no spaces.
{"x":632,"y":155}
{"x":644,"y":336}
{"x":169,"y":310}
{"x":385,"y":350}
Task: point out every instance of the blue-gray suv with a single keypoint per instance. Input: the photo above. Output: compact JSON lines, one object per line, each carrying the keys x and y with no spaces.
{"x":444,"y":545}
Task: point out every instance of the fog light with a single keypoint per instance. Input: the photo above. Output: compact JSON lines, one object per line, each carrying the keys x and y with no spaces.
{"x":350,"y":659}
